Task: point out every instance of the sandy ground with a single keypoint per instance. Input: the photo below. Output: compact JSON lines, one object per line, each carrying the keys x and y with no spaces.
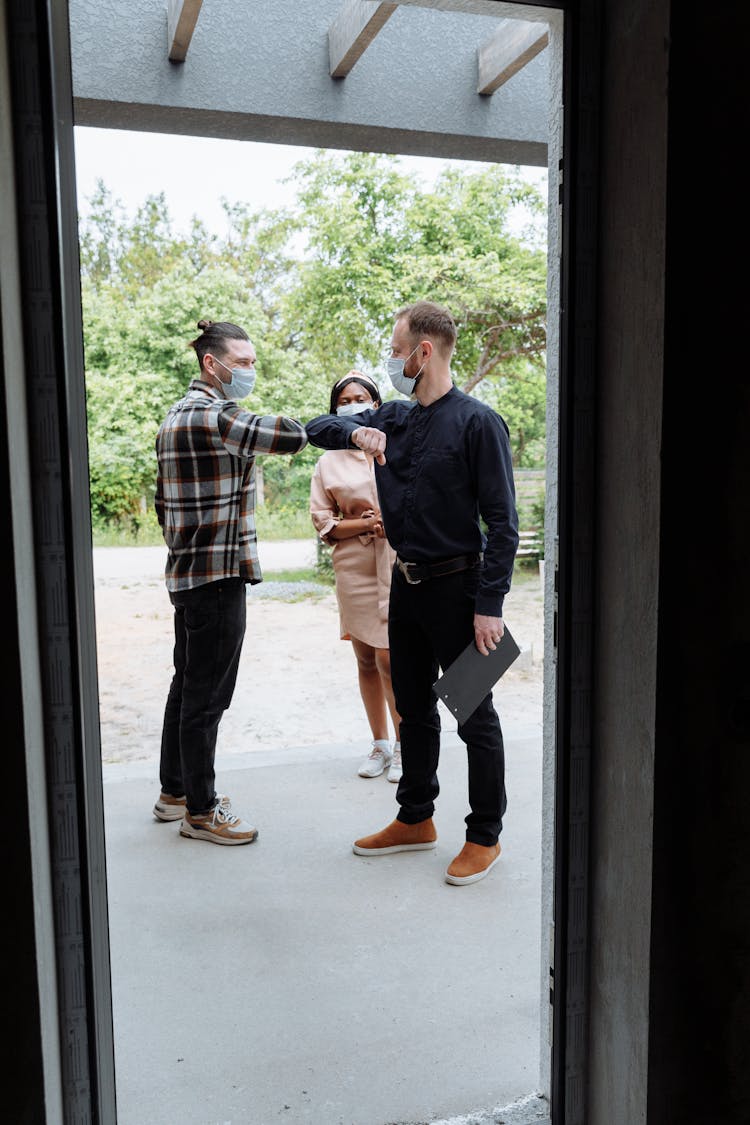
{"x":297,"y":684}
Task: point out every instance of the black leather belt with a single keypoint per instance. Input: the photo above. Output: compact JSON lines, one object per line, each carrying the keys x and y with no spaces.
{"x":414,"y":573}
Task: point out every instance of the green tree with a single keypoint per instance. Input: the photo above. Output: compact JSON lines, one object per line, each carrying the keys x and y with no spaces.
{"x":130,"y":255}
{"x":376,"y":241}
{"x":316,"y":287}
{"x":351,"y":216}
{"x":138,"y":362}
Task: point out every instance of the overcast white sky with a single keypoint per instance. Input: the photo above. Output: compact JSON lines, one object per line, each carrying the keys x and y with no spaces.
{"x":196,"y":172}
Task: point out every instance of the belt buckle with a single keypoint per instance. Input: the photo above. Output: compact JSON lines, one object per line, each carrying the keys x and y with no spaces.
{"x":404,"y":568}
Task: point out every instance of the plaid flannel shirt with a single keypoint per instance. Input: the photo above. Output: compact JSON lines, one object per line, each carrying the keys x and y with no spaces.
{"x":205,"y":489}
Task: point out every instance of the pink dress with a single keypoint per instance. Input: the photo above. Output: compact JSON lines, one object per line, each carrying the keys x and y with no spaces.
{"x":343,"y":486}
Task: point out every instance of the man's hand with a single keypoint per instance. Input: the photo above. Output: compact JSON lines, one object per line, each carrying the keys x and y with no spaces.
{"x":371,"y":441}
{"x":487,"y":632}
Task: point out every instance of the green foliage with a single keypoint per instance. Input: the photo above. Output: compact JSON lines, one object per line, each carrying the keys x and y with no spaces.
{"x":283,"y":522}
{"x":537,"y":512}
{"x":376,"y":242}
{"x":130,"y":255}
{"x":316,"y":287}
{"x":537,"y":516}
{"x":287,"y":479}
{"x":352,"y":212}
{"x":521,"y":399}
{"x":308,"y":574}
{"x":145,"y":532}
{"x":324,"y":562}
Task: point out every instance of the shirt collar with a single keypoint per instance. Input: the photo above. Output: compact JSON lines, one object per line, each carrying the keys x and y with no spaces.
{"x":207,"y":388}
{"x":450,"y":393}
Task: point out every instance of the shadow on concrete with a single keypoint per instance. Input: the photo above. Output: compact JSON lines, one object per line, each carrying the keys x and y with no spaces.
{"x":292,"y":981}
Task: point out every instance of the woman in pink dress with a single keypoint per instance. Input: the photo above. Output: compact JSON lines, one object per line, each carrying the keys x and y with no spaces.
{"x":345,"y":512}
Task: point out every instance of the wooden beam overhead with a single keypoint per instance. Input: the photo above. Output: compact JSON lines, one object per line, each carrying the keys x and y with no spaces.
{"x":182,"y":16}
{"x":352,"y":32}
{"x":515,"y":43}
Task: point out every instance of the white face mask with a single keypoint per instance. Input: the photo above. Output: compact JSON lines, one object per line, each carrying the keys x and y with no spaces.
{"x":400,"y":382}
{"x":242,"y":383}
{"x":354,"y":408}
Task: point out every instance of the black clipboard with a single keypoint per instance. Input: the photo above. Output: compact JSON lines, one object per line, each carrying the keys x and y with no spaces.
{"x":463,"y":685}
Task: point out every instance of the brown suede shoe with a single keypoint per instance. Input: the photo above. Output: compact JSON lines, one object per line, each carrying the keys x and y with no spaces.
{"x":472,"y":863}
{"x":398,"y":837}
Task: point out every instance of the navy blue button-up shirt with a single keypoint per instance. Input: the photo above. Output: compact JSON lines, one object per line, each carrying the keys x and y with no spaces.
{"x":447,"y":465}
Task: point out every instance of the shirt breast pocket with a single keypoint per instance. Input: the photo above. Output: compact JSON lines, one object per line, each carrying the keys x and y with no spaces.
{"x":443,"y":470}
{"x":441,"y":491}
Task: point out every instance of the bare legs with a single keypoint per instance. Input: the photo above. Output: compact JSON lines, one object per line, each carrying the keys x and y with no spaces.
{"x":374,"y":671}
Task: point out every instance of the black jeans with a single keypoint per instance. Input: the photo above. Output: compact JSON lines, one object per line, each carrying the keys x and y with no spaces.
{"x":429,"y":625}
{"x":209,"y":627}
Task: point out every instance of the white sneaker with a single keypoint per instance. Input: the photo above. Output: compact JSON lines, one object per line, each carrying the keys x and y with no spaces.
{"x":394,"y":773}
{"x":375,"y":762}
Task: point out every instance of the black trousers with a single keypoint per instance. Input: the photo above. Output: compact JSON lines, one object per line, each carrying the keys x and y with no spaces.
{"x":429,"y":625}
{"x":209,"y":627}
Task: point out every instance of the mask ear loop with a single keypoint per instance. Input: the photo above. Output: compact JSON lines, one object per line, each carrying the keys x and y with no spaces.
{"x":418,"y":375}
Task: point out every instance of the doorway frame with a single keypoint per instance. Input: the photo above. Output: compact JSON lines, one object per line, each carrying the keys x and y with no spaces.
{"x":59,"y":685}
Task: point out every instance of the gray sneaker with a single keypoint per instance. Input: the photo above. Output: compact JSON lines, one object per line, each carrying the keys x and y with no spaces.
{"x":220,"y":826}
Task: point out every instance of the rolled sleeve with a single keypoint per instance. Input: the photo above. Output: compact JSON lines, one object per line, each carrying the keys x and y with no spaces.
{"x":324,"y":511}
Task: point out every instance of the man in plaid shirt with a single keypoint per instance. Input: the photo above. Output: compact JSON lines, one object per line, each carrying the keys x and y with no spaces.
{"x":205,"y":504}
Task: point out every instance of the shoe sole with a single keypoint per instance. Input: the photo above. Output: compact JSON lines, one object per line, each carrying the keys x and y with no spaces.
{"x":165,"y":816}
{"x":394,"y":848}
{"x":213,"y":837}
{"x":394,"y":779}
{"x":464,"y":880}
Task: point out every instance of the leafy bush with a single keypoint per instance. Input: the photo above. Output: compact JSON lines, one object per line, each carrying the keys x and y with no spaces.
{"x":283,"y":521}
{"x":537,"y":516}
{"x":324,"y":562}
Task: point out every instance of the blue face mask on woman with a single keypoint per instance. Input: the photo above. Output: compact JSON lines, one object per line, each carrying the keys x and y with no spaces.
{"x":354,"y":408}
{"x":242,"y":383}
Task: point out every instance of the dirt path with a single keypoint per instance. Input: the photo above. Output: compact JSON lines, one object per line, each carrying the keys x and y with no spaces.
{"x":297,"y":683}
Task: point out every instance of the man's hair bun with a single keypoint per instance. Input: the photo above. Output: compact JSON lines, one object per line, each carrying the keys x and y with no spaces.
{"x":214,"y":336}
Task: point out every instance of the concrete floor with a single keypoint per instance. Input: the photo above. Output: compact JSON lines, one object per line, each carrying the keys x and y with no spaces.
{"x":291,"y":981}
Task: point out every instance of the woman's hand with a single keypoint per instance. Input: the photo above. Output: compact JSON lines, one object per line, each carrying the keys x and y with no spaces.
{"x":374,"y":521}
{"x":368,"y":522}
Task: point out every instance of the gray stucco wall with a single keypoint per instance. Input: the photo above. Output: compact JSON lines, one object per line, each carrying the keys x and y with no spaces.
{"x":555,"y":111}
{"x":261,"y":72}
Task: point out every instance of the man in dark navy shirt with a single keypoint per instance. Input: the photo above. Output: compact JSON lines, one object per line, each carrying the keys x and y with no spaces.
{"x":443,"y":469}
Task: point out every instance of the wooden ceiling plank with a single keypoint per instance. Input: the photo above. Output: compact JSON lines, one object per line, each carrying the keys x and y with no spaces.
{"x":353,"y":30}
{"x":514,"y":44}
{"x":182,"y":16}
